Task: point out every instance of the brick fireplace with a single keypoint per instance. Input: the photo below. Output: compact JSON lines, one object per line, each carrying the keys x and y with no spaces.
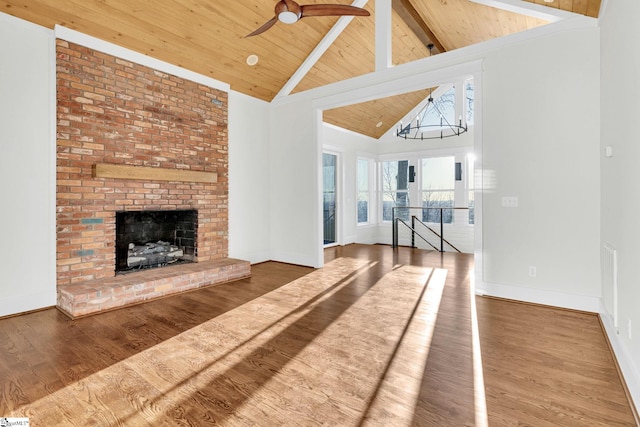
{"x":117,"y":114}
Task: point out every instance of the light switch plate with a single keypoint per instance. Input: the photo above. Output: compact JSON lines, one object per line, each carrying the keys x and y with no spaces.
{"x":510,"y":201}
{"x":608,"y":151}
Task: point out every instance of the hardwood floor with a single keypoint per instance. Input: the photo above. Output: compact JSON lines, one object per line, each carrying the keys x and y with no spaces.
{"x":377,"y":337}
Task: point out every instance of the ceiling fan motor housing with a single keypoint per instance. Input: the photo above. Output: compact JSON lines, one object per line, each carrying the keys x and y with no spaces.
{"x":288,"y":14}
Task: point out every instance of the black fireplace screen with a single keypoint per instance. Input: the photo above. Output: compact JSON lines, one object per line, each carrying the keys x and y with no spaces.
{"x":148,"y":239}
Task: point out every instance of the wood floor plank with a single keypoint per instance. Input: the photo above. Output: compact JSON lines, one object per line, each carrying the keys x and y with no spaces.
{"x":377,"y":337}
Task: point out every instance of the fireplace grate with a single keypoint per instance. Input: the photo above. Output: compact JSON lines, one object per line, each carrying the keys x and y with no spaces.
{"x":151,"y":239}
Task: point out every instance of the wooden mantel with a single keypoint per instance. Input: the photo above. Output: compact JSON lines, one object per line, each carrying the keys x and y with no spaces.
{"x":109,"y":170}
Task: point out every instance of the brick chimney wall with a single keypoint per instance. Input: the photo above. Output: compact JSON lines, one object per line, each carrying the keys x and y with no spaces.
{"x":114,"y":111}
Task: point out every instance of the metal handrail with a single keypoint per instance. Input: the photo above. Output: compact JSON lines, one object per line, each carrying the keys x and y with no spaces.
{"x":414,"y":232}
{"x":394,"y":227}
{"x":415,"y":218}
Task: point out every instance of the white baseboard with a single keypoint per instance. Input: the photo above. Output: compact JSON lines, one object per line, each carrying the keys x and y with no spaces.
{"x":252,"y":257}
{"x":296,"y":259}
{"x":349,"y":239}
{"x":370,"y":241}
{"x":23,"y":303}
{"x":539,"y":296}
{"x":626,"y":363}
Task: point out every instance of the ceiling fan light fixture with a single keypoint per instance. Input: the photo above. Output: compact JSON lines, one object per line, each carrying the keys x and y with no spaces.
{"x":288,"y":17}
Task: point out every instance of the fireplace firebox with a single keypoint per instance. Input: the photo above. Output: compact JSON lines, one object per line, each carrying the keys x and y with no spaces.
{"x":150,"y":239}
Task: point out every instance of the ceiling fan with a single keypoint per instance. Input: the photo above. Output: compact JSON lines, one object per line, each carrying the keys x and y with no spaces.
{"x":290,"y":12}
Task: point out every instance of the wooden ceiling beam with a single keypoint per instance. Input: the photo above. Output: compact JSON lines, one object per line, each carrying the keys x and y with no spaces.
{"x":412,"y":17}
{"x":527,"y":8}
{"x":383,"y":36}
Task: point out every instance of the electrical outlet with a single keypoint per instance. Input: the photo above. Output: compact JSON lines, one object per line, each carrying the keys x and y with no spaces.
{"x":509,"y":201}
{"x":532,"y":271}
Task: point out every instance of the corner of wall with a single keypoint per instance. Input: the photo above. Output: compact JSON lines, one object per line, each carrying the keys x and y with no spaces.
{"x":624,"y":360}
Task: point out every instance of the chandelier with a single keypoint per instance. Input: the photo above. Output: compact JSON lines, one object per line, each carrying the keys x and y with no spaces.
{"x":417,"y":129}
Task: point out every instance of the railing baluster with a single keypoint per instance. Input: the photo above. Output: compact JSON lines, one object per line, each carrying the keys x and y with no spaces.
{"x":413,"y":231}
{"x":394,"y":229}
{"x":441,"y":231}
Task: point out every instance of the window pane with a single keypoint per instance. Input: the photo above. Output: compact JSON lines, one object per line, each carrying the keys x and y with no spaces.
{"x":395,"y":175}
{"x":442,"y":111}
{"x":363,"y":191}
{"x":470,"y":186}
{"x":363,"y":175}
{"x":395,"y":183}
{"x":329,"y":172}
{"x":438,"y":183}
{"x":329,"y":163}
{"x":395,"y":199}
{"x":469,"y":97}
{"x":363,"y":207}
{"x":436,"y":200}
{"x":438,"y":173}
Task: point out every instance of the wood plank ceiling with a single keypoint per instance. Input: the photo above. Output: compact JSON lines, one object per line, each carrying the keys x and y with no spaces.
{"x":208,"y":37}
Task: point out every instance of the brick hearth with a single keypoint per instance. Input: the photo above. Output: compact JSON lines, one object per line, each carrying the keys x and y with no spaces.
{"x":96,"y":296}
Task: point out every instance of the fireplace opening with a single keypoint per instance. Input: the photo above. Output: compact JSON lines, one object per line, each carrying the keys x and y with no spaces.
{"x":150,"y":239}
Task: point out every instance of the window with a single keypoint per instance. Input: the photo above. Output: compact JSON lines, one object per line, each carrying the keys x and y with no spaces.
{"x":329,"y":184}
{"x":468,"y":100}
{"x":445,"y":111}
{"x":364,"y":195}
{"x":471,"y":187}
{"x":394,"y":179}
{"x":438,"y":188}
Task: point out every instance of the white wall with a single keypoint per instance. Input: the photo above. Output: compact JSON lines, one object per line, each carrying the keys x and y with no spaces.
{"x":295,"y":185}
{"x":249,"y":183}
{"x":620,"y":206}
{"x":541,"y":144}
{"x":27,"y":167}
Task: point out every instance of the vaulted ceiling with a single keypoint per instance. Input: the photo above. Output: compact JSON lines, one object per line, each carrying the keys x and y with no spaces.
{"x":208,"y":37}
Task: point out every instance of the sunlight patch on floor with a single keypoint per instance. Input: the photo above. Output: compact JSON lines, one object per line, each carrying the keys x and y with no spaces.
{"x":397,"y":394}
{"x":480,"y":400}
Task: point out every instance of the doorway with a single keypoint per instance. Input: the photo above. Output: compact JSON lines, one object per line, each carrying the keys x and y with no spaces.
{"x":329,"y":198}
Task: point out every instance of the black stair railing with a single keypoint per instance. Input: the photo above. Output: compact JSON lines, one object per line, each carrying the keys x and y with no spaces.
{"x":395,"y":219}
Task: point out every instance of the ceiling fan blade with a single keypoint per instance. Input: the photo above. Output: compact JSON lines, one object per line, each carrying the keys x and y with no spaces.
{"x":332,"y":10}
{"x":264,"y":28}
